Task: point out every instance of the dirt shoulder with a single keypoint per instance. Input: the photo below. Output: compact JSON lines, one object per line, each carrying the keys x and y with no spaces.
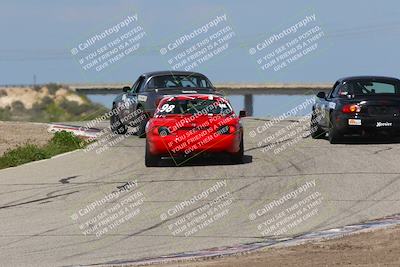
{"x":13,"y":134}
{"x":377,"y":248}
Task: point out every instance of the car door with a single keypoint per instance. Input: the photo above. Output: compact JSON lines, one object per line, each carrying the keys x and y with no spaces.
{"x":330,"y":103}
{"x":129,"y":102}
{"x":142,"y":94}
{"x":322,"y":107}
{"x":132,"y":95}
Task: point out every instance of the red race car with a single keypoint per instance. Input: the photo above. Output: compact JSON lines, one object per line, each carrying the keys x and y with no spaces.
{"x":184,"y":126}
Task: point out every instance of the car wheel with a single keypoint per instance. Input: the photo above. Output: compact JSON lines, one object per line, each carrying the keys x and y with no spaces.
{"x":141,"y":131}
{"x":117,"y":126}
{"x":316,"y":131}
{"x":238,"y":156}
{"x":334,"y":135}
{"x":149,"y":159}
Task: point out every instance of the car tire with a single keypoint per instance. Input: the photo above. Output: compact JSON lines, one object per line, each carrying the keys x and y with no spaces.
{"x":149,"y":159}
{"x":334,"y":135}
{"x":141,"y":131}
{"x":237,"y":158}
{"x":318,"y":132}
{"x":117,"y":126}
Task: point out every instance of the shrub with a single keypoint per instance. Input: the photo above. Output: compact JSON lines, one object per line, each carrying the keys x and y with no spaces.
{"x":71,"y":107}
{"x":43,"y":104}
{"x":60,"y":143}
{"x":17,"y":106}
{"x":65,"y":140}
{"x":21,"y":155}
{"x":5,"y":114}
{"x":55,"y":112}
{"x":53,"y":87}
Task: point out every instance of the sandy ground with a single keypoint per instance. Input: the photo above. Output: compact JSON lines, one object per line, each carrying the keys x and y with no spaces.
{"x":13,"y":134}
{"x":377,"y":248}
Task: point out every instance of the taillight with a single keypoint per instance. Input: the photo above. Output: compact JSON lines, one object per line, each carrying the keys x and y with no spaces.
{"x":226,"y":129}
{"x":351,"y":108}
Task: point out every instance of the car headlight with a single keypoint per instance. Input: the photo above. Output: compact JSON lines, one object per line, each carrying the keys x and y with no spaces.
{"x":163,"y":131}
{"x":226,"y":129}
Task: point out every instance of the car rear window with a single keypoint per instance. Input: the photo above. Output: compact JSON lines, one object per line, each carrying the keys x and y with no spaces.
{"x":177,"y":81}
{"x":365,"y":87}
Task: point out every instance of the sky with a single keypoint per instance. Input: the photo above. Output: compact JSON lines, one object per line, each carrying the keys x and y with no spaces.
{"x":37,"y":37}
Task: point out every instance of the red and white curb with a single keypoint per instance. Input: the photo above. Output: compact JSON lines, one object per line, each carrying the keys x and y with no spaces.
{"x":366,"y":226}
{"x":79,"y":131}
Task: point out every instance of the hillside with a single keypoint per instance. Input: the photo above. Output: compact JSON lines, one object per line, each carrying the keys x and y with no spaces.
{"x":48,"y":103}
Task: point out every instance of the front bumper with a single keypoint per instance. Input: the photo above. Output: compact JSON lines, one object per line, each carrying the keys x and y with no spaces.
{"x":172,"y":145}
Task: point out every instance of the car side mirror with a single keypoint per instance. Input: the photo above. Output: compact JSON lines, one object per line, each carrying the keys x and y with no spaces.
{"x":126,"y":89}
{"x":321,"y":95}
{"x":242,"y":113}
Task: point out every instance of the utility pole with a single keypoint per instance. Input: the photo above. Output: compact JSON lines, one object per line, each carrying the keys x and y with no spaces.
{"x":34,"y":80}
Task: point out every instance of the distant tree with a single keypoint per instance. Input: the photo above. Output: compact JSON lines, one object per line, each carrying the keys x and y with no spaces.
{"x":5,"y":114}
{"x":39,"y":107}
{"x":46,"y":101}
{"x":72,"y":107}
{"x":55,"y":113}
{"x":3,"y":93}
{"x":53,"y":87}
{"x":17,"y":106}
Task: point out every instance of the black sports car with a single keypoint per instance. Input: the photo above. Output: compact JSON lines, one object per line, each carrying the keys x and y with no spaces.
{"x":137,"y":104}
{"x":363,"y":105}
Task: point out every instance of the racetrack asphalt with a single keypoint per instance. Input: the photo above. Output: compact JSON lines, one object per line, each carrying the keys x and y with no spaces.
{"x":44,"y":205}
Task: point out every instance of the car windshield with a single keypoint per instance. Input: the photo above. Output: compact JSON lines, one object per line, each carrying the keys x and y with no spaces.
{"x":194,"y":106}
{"x":175,"y":81}
{"x":368,"y":87}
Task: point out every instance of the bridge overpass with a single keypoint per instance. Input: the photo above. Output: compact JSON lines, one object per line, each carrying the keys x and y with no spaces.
{"x":227,"y":88}
{"x":248,"y":90}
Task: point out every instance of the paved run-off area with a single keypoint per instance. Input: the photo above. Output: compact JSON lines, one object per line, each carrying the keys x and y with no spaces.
{"x":47,"y":207}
